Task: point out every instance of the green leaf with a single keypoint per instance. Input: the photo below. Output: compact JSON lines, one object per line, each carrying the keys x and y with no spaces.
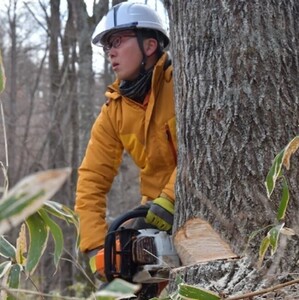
{"x":117,"y":288}
{"x":7,"y":250}
{"x":56,"y":233}
{"x":274,"y":234}
{"x":284,"y":201}
{"x":61,"y":211}
{"x":14,"y":279}
{"x":4,"y":267}
{"x":29,"y":195}
{"x":263,"y":249}
{"x":38,"y":234}
{"x":15,"y":204}
{"x":14,"y":276}
{"x":192,"y":292}
{"x":65,"y":213}
{"x":274,"y":173}
{"x":2,"y":75}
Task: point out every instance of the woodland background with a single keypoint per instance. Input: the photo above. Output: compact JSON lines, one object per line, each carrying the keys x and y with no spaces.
{"x":236,"y":70}
{"x":54,"y":91}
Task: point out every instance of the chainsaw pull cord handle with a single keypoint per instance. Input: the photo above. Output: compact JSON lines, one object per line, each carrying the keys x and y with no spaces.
{"x":139,"y":212}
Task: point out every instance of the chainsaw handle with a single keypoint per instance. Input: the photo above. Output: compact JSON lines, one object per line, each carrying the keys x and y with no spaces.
{"x":139,"y":212}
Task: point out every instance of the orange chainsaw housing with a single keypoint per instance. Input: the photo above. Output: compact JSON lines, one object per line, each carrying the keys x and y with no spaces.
{"x":100,"y":260}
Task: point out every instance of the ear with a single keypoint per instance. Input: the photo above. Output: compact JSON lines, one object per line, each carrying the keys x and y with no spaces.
{"x":150,"y":46}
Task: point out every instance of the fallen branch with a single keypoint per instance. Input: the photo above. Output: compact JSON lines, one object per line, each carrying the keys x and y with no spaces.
{"x":263,"y":291}
{"x":15,"y":292}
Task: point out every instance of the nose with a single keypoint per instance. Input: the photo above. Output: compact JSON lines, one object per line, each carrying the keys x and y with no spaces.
{"x":112,"y":52}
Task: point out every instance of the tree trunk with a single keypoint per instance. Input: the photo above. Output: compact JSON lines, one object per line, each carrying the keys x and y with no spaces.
{"x":236,"y":85}
{"x":56,"y":152}
{"x":85,"y":27}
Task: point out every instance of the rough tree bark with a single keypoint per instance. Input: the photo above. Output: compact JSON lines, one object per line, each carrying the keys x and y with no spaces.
{"x":236,"y":84}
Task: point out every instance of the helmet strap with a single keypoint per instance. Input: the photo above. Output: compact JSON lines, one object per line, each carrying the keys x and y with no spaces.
{"x":140,"y":43}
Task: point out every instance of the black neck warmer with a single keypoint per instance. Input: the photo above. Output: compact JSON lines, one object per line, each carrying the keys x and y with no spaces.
{"x":137,"y":89}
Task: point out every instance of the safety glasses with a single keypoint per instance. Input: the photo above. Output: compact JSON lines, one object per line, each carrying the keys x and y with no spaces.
{"x":116,"y":41}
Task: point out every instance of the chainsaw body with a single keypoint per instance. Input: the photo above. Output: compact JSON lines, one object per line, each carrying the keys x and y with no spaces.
{"x":144,"y":255}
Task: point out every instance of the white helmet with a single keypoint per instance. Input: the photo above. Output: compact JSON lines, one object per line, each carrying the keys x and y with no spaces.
{"x":128,"y":16}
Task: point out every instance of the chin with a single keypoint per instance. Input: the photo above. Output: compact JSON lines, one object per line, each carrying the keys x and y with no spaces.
{"x":128,"y":77}
{"x":120,"y":76}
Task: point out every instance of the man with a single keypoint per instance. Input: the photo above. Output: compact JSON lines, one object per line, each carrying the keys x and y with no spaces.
{"x":138,"y":117}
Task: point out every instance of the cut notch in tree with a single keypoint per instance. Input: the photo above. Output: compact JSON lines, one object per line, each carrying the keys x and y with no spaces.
{"x":198,"y":242}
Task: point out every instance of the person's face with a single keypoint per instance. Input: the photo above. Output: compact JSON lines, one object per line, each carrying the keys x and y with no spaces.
{"x":124,"y":54}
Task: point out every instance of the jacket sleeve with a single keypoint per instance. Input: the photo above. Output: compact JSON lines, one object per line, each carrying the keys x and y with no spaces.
{"x":95,"y":176}
{"x":169,"y":189}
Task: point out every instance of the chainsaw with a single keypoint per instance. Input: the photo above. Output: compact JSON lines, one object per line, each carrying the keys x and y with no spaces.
{"x":144,"y":255}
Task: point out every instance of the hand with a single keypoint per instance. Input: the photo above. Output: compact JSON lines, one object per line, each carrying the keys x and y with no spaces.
{"x":160,"y":214}
{"x":96,"y":263}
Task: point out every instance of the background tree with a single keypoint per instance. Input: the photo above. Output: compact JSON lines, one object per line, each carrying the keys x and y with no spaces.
{"x":236,"y":85}
{"x":54,"y":93}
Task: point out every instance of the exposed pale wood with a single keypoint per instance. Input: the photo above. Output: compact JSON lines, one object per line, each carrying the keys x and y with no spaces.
{"x":198,"y":242}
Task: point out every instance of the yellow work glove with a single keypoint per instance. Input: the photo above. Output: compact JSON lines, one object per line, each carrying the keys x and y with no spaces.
{"x":160,"y":214}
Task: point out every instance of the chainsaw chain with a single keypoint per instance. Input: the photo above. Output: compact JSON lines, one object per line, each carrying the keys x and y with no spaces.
{"x":148,"y":291}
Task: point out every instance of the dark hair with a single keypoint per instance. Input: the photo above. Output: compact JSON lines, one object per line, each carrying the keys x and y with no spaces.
{"x":155,"y":34}
{"x":146,"y":33}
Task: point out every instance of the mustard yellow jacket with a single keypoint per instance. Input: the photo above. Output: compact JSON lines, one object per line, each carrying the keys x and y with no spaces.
{"x":147,"y":133}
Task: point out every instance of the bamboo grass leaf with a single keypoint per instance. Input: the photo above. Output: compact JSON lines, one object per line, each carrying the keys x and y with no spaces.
{"x":65,"y":213}
{"x":274,"y":173}
{"x":290,"y":149}
{"x":14,"y":276}
{"x":7,"y":250}
{"x":14,"y":279}
{"x":284,"y":201}
{"x":61,"y":211}
{"x":263,"y":249}
{"x":4,"y":267}
{"x":38,"y":234}
{"x":29,"y":195}
{"x":56,"y":234}
{"x":191,"y":292}
{"x":117,"y":289}
{"x":274,"y":237}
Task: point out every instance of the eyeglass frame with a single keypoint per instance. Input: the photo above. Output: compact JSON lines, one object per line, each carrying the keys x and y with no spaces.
{"x":118,"y":39}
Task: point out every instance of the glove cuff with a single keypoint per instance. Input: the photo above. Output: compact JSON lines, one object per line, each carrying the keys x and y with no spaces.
{"x":165,"y":196}
{"x":165,"y":204}
{"x":93,"y":252}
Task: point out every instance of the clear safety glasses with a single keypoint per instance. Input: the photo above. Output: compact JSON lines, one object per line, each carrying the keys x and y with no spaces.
{"x":115,"y":42}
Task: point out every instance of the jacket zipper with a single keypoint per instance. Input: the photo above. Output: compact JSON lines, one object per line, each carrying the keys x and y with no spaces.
{"x":170,"y":141}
